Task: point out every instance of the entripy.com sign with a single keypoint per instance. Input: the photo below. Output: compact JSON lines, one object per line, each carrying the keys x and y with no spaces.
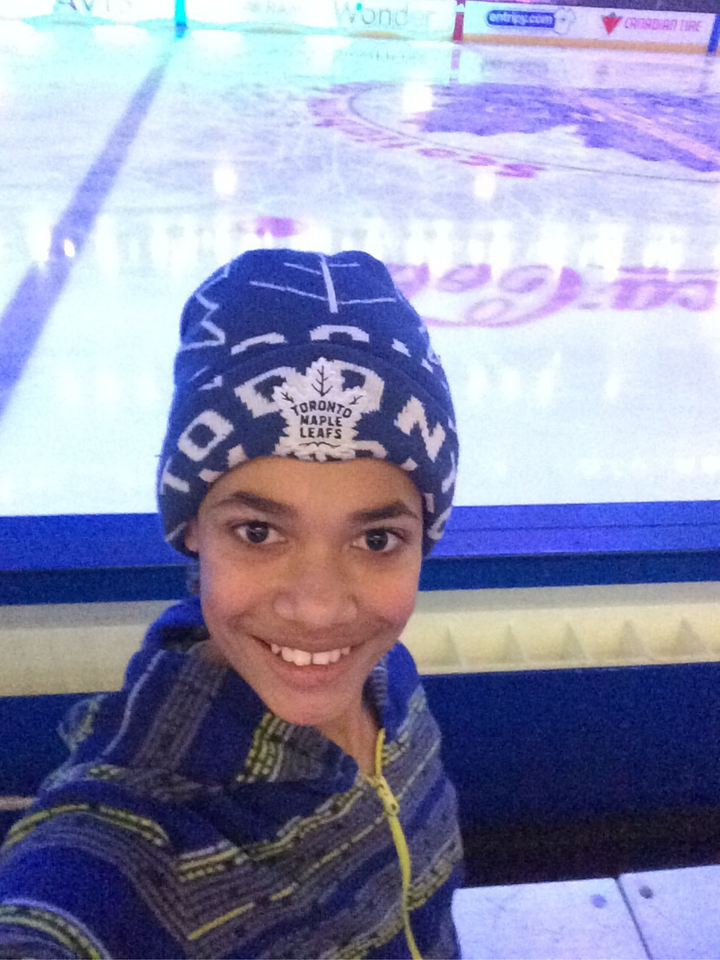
{"x":483,"y":18}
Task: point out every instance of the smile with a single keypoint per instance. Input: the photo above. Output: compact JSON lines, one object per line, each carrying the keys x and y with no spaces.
{"x":302,"y":658}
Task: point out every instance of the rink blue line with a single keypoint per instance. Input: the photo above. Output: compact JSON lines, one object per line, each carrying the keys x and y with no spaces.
{"x":25,"y":316}
{"x":715,"y":36}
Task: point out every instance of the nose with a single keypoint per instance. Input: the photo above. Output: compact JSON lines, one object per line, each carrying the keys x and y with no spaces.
{"x":315,"y":591}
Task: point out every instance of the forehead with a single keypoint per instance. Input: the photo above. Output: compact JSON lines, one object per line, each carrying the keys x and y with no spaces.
{"x":337,"y":488}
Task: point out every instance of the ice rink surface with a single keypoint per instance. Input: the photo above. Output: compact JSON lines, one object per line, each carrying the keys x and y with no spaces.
{"x":554,"y":215}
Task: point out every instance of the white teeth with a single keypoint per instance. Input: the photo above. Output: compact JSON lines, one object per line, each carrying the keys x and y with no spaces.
{"x":302,"y":658}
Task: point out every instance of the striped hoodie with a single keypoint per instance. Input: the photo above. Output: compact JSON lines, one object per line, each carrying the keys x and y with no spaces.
{"x":190,"y":821}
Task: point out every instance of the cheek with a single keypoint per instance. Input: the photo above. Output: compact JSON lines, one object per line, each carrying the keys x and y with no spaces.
{"x":394,"y":601}
{"x":225,"y":592}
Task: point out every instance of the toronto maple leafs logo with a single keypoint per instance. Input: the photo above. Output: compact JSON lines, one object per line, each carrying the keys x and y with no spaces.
{"x":322,"y":414}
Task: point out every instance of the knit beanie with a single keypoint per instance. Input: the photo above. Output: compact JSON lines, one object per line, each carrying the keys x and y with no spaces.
{"x":293,"y":354}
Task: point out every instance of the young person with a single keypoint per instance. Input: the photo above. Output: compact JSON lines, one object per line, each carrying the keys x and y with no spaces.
{"x":268,"y":781}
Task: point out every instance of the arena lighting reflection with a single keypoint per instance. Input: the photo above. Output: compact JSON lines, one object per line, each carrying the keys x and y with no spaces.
{"x":417,"y":98}
{"x":500,"y":253}
{"x":225,"y":180}
{"x":609,"y":248}
{"x":39,"y":237}
{"x":485,"y":184}
{"x":666,"y":250}
{"x":551,"y":246}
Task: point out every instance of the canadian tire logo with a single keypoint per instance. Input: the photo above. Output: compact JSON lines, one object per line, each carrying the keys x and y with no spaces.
{"x":611,"y":21}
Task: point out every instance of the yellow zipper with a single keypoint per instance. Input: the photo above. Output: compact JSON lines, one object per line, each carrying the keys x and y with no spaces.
{"x":391,"y":808}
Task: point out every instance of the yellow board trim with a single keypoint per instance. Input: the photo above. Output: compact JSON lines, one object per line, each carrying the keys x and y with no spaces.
{"x":525,"y":41}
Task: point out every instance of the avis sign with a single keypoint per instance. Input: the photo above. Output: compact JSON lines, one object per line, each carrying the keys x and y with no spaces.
{"x":116,"y":11}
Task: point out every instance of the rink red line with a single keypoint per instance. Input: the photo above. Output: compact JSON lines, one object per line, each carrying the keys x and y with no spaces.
{"x":25,"y":316}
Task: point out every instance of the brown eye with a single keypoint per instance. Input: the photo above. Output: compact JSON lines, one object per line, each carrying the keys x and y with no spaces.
{"x":254,"y":532}
{"x":377,"y":540}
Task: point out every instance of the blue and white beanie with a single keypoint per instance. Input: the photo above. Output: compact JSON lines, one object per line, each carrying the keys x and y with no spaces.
{"x":292,"y":354}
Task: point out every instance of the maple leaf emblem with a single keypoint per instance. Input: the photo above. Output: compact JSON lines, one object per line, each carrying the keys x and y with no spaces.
{"x":611,"y":21}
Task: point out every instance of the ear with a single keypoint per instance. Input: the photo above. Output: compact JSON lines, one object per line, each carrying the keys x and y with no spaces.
{"x":191,"y":536}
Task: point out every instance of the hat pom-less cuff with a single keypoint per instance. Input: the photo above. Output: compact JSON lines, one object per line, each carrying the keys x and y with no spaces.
{"x":320,"y":409}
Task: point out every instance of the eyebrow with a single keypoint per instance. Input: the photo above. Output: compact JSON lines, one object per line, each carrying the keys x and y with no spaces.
{"x":389,"y":512}
{"x":243,"y":498}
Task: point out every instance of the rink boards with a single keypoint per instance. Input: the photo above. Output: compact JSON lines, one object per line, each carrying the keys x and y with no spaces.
{"x":420,"y":20}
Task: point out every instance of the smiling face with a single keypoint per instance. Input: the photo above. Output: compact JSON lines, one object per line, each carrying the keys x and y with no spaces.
{"x":308,"y":574}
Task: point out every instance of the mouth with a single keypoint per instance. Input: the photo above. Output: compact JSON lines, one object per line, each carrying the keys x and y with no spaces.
{"x":304,"y":658}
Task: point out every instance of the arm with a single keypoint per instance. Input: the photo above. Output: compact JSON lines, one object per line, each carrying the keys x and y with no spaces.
{"x":78,"y":888}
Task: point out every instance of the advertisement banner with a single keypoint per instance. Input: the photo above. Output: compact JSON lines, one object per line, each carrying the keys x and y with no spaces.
{"x":594,"y":26}
{"x":112,"y":11}
{"x":402,"y":19}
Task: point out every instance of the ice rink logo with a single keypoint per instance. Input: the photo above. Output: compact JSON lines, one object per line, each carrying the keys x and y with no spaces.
{"x":558,"y":21}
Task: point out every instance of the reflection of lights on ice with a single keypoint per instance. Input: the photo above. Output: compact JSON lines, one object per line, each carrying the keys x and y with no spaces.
{"x":39,"y":240}
{"x":476,"y":250}
{"x":666,"y":249}
{"x":710,"y":465}
{"x":225,"y":180}
{"x":316,"y":236}
{"x":485,"y":184}
{"x":500,"y":250}
{"x":416,"y":244}
{"x":417,"y":98}
{"x":68,"y":248}
{"x":607,"y":250}
{"x":552,"y":245}
{"x":376,"y":237}
{"x":441,"y":249}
